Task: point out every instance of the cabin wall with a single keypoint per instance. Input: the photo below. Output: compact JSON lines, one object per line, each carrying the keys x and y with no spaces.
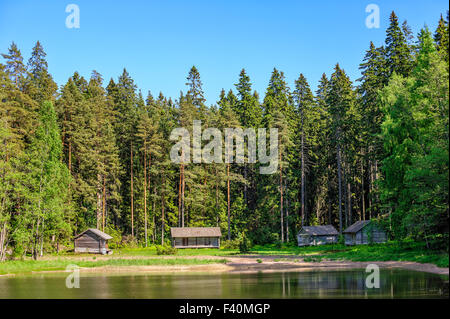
{"x":379,"y":236}
{"x":350,"y":239}
{"x":90,"y":243}
{"x":308,"y":240}
{"x":303,"y":240}
{"x":361,"y":237}
{"x":196,"y":242}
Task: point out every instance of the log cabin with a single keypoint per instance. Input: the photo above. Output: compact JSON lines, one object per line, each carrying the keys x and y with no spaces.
{"x":195,"y":237}
{"x":92,"y":241}
{"x":364,"y":232}
{"x":317,"y":235}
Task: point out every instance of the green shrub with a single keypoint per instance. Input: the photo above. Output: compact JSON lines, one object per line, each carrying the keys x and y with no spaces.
{"x":116,"y":240}
{"x":259,"y":261}
{"x":128,"y":242}
{"x":341,"y":239}
{"x":244,"y":243}
{"x":230,"y":244}
{"x":165,"y":250}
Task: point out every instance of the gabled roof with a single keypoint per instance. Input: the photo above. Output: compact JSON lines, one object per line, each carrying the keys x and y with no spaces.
{"x":356,"y":227}
{"x":97,"y":232}
{"x":195,"y":232}
{"x":319,"y":230}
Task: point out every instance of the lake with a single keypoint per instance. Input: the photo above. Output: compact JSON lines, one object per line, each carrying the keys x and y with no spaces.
{"x":394,"y":283}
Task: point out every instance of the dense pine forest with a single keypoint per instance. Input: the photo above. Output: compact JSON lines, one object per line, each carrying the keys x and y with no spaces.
{"x":95,"y":153}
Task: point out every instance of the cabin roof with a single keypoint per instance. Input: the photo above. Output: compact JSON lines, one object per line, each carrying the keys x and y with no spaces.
{"x":195,"y":232}
{"x":356,"y":227}
{"x":97,"y":232}
{"x":319,"y":230}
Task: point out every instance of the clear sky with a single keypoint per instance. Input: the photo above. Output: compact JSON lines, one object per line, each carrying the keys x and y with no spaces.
{"x":158,"y":41}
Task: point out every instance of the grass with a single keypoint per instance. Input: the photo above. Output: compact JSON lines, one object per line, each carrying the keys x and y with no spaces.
{"x":392,"y":251}
{"x":151,"y":251}
{"x":28,"y":266}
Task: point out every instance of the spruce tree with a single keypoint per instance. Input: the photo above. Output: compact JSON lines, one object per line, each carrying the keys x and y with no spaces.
{"x":398,"y":54}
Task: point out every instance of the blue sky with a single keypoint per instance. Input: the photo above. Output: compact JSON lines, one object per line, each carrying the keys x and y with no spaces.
{"x":158,"y":41}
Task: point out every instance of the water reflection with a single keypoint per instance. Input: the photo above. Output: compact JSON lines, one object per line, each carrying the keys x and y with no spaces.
{"x":318,"y":284}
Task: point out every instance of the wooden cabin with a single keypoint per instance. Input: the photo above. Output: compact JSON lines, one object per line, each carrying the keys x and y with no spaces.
{"x":92,"y":241}
{"x":364,"y":232}
{"x":195,"y":237}
{"x":317,"y":235}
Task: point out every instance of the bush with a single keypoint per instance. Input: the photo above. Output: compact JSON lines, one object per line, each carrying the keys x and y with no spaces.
{"x":341,"y":240}
{"x":116,"y":240}
{"x":165,"y":250}
{"x":244,"y":244}
{"x":128,"y":242}
{"x":230,"y":244}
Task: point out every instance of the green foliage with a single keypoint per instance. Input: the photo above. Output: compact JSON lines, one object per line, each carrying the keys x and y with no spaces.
{"x":165,"y":250}
{"x":101,"y":157}
{"x":415,"y":134}
{"x":116,"y":241}
{"x":244,"y":243}
{"x":230,"y":244}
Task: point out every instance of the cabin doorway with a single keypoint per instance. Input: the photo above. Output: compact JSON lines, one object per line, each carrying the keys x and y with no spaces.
{"x":185,"y":241}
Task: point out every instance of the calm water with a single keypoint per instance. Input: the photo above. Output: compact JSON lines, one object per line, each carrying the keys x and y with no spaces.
{"x":317,"y":284}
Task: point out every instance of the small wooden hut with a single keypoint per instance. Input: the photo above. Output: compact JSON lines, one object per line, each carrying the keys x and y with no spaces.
{"x":92,"y":241}
{"x":364,"y":232}
{"x":317,"y":235}
{"x":195,"y":237}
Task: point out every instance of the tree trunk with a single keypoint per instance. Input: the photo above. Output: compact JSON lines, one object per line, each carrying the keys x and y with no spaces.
{"x":363,"y":202}
{"x":344,"y":171}
{"x":245,"y":184}
{"x":217,"y":203}
{"x":145,"y":194}
{"x":228,"y":200}
{"x":329,"y":193}
{"x":302,"y":174}
{"x":339,"y":183}
{"x":349,"y":194}
{"x":154,"y":214}
{"x":182,"y":194}
{"x":162,"y":211}
{"x":281,"y":200}
{"x":99,"y":200}
{"x":132,"y":190}
{"x":104,"y":204}
{"x":287,"y":212}
{"x":371,"y":190}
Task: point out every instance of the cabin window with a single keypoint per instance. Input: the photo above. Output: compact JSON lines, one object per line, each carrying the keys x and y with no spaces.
{"x":207,"y":241}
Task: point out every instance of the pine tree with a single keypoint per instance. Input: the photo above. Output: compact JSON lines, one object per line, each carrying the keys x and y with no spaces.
{"x":125,"y":99}
{"x":398,"y":54}
{"x":151,"y":141}
{"x":40,"y":86}
{"x":304,"y":100}
{"x":15,"y":68}
{"x":340,"y":100}
{"x":441,"y":37}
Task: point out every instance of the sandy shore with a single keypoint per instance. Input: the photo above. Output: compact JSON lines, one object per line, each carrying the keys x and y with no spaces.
{"x":246,"y":264}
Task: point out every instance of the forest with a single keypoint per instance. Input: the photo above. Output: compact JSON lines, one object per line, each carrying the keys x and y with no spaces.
{"x":95,"y":154}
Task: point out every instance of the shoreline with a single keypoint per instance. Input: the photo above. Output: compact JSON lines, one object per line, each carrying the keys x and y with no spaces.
{"x":236,"y":265}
